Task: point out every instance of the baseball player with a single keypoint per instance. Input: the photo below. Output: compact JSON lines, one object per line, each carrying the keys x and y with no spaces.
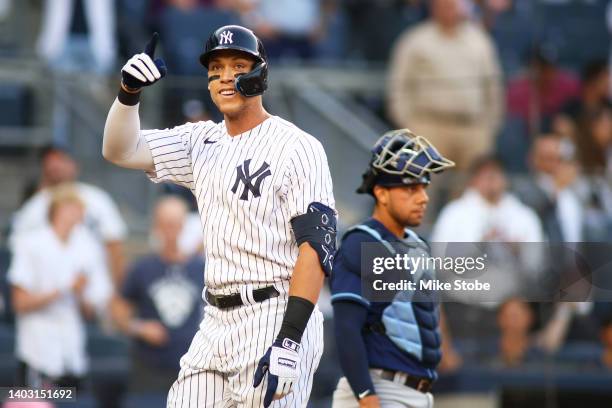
{"x":264,"y":194}
{"x":394,"y":347}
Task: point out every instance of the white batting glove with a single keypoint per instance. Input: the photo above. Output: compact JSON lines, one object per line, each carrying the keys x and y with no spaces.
{"x":281,"y":363}
{"x":141,"y":70}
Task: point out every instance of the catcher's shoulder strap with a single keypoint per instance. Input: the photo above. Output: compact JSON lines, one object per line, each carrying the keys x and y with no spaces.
{"x":373,"y":233}
{"x":411,"y":236}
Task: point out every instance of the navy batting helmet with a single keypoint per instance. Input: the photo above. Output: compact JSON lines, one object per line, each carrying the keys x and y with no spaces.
{"x":402,"y":158}
{"x":235,"y":37}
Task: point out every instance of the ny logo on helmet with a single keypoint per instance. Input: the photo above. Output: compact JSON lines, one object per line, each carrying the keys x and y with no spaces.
{"x":226,"y":38}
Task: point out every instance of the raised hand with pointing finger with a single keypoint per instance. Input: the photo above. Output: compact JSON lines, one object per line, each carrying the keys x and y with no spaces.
{"x":142,"y":70}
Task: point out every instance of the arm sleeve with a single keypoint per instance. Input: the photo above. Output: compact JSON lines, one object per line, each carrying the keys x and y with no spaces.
{"x":350,"y":312}
{"x":349,"y":318}
{"x":171,"y":152}
{"x":307,"y":177}
{"x":123,"y":144}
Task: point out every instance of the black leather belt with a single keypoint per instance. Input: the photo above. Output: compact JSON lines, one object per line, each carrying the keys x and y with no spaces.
{"x":418,"y":383}
{"x":235,"y":300}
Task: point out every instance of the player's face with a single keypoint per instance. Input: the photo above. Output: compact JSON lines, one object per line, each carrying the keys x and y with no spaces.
{"x":407,"y":204}
{"x":223,"y":69}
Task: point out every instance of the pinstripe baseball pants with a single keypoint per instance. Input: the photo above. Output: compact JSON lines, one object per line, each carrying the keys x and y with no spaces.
{"x":217,"y":370}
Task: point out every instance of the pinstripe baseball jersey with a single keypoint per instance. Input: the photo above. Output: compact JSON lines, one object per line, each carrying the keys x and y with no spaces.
{"x":248,"y":188}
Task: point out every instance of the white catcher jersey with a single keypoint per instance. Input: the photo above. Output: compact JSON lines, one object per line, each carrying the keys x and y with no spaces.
{"x":248,"y":188}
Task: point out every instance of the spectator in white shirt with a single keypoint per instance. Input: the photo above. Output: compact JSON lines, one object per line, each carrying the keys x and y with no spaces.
{"x":56,"y":279}
{"x":102,"y":218}
{"x":488,"y":213}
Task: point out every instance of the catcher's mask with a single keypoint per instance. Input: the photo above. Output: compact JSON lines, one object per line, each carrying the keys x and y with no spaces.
{"x":401,"y":158}
{"x":235,"y":37}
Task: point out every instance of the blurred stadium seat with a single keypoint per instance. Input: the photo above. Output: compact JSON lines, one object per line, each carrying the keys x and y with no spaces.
{"x":8,"y":362}
{"x":514,"y":36}
{"x":15,"y":105}
{"x":109,"y":366}
{"x":577,"y":29}
{"x":6,"y":315}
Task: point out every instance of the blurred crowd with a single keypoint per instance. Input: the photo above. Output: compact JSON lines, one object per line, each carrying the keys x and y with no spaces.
{"x":67,"y":276}
{"x":475,"y":76}
{"x":522,"y":110}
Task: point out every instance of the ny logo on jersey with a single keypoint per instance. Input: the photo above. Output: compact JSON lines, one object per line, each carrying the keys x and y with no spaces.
{"x":226,"y":38}
{"x":243,"y":174}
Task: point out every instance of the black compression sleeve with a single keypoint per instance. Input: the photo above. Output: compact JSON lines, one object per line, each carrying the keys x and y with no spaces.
{"x":349,"y":318}
{"x":296,"y":318}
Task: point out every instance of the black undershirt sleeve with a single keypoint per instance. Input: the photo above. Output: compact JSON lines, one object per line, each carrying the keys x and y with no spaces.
{"x":349,"y":319}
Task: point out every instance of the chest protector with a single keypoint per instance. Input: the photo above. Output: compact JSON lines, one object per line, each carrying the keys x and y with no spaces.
{"x":412,"y":325}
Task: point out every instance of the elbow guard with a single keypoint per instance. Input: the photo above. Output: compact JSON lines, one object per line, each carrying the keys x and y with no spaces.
{"x":318,"y":228}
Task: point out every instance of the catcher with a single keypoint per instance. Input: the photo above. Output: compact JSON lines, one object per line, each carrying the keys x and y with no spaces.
{"x":385,"y":366}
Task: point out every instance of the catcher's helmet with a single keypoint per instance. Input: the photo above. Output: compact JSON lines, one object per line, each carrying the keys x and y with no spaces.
{"x":402,"y":158}
{"x":235,"y":37}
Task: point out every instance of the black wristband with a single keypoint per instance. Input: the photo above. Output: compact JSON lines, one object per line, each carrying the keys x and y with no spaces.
{"x":128,"y":98}
{"x":296,"y":318}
